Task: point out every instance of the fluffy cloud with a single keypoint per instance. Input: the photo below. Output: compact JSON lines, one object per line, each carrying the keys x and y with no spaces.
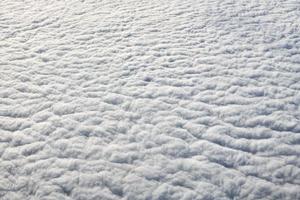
{"x":149,"y":100}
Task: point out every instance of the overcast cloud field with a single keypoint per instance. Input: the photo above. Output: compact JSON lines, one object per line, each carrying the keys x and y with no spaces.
{"x":149,"y":99}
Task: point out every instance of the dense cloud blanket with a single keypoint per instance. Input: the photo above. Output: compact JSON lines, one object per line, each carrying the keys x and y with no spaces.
{"x":149,"y":99}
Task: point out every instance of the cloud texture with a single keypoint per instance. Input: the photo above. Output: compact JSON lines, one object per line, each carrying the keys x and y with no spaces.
{"x":140,"y":100}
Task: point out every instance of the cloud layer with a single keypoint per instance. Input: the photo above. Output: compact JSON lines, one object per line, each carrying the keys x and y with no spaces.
{"x":149,"y":100}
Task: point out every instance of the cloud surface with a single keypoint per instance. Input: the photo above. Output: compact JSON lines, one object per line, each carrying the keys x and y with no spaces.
{"x":141,"y":100}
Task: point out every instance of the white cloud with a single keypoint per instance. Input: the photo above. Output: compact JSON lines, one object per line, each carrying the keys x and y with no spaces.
{"x":149,"y":99}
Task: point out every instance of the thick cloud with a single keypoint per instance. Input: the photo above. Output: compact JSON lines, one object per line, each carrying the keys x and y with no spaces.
{"x":149,"y":99}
